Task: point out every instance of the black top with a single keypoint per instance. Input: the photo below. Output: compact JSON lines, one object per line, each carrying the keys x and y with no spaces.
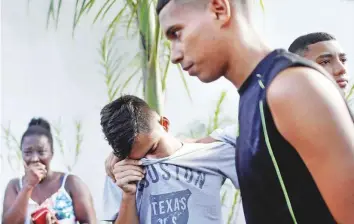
{"x":263,"y":199}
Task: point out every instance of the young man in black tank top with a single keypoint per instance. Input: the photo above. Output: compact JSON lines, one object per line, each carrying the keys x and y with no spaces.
{"x":295,"y":156}
{"x":319,"y":47}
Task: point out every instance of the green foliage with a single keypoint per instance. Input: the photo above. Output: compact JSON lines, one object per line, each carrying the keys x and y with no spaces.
{"x":199,"y":130}
{"x":14,"y":149}
{"x":114,"y":69}
{"x":350,"y":93}
{"x":137,"y":16}
{"x":232,"y":210}
{"x":215,"y":120}
{"x":68,"y":152}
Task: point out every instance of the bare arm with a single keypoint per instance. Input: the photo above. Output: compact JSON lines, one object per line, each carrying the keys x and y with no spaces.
{"x":127,"y":210}
{"x":82,"y":200}
{"x":311,"y":114}
{"x":15,"y":203}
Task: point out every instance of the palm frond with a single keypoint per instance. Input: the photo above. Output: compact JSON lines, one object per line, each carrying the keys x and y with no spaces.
{"x":185,"y":84}
{"x":350,"y":93}
{"x":51,"y":12}
{"x":218,"y":110}
{"x":58,"y":136}
{"x":262,"y":5}
{"x":14,"y":146}
{"x":79,"y":139}
{"x":100,"y":11}
{"x":232,"y":210}
{"x":58,"y":13}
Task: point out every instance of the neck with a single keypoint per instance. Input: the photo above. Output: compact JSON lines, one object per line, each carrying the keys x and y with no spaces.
{"x":246,"y":53}
{"x":167,"y":146}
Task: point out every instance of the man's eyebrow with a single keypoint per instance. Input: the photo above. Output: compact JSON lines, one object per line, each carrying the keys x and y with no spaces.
{"x":343,"y":55}
{"x":325,"y":55}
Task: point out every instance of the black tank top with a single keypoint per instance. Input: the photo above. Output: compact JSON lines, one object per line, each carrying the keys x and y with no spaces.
{"x":264,"y":199}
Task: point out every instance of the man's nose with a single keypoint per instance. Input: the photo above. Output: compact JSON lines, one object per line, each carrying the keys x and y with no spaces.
{"x":339,"y":68}
{"x":176,"y":53}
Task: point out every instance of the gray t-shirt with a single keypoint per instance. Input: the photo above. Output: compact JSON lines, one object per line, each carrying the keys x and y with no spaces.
{"x":228,"y":134}
{"x":183,"y":188}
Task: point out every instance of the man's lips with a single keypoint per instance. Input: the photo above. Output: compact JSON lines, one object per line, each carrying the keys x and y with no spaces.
{"x":342,"y":82}
{"x":186,"y":68}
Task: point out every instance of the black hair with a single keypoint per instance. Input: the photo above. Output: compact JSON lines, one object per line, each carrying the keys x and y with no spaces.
{"x":300,"y":44}
{"x":160,"y":5}
{"x":122,"y":120}
{"x":39,"y":126}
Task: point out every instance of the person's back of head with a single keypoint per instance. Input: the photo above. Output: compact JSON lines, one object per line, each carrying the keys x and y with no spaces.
{"x":123,"y":120}
{"x":300,"y":45}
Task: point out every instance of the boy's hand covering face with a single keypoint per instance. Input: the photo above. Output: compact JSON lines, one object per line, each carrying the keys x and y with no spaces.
{"x":109,"y":165}
{"x":127,"y":173}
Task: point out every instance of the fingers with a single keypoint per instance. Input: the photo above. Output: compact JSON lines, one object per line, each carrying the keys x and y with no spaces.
{"x":130,"y":162}
{"x":119,"y":169}
{"x":115,"y":160}
{"x":37,"y":166}
{"x":129,"y":188}
{"x":121,"y":175}
{"x":51,"y":219}
{"x":109,"y":166}
{"x":123,"y":182}
{"x":48,"y":218}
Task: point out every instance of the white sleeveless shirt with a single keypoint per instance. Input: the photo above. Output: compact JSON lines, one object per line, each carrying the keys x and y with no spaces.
{"x":60,"y":203}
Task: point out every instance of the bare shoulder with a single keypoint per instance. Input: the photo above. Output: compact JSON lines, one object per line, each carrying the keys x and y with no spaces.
{"x":301,"y":85}
{"x":75,"y":184}
{"x":73,"y":180}
{"x":304,"y":99}
{"x":14,"y":184}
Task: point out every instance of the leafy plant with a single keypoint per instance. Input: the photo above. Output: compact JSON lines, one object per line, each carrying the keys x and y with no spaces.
{"x":199,"y":129}
{"x":154,"y":52}
{"x":233,"y":208}
{"x":14,"y":156}
{"x":350,"y":93}
{"x":75,"y":151}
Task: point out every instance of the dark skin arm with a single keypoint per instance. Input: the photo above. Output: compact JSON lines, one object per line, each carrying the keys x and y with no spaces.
{"x":15,"y":203}
{"x":311,"y":114}
{"x":82,"y":200}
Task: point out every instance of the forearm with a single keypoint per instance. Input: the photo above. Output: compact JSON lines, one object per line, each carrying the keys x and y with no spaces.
{"x":127,"y":211}
{"x":205,"y":140}
{"x":18,"y":211}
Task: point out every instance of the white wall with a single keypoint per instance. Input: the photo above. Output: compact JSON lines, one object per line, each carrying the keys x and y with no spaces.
{"x":48,"y":73}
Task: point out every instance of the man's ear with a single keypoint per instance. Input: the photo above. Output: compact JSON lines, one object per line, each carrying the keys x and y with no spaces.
{"x":165,"y":123}
{"x":221,"y":9}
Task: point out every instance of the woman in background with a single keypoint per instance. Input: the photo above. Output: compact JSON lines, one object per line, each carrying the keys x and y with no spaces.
{"x":65,"y":195}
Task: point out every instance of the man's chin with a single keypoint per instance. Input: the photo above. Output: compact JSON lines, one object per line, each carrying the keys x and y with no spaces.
{"x":208,"y":78}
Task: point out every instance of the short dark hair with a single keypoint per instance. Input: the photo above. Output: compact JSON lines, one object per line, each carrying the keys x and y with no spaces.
{"x":39,"y":126}
{"x":122,"y":120}
{"x":160,"y":5}
{"x":300,"y":44}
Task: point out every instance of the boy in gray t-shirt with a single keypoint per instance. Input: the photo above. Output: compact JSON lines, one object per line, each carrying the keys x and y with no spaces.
{"x":182,"y":182}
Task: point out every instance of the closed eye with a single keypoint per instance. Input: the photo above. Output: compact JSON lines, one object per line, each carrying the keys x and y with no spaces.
{"x":325,"y":62}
